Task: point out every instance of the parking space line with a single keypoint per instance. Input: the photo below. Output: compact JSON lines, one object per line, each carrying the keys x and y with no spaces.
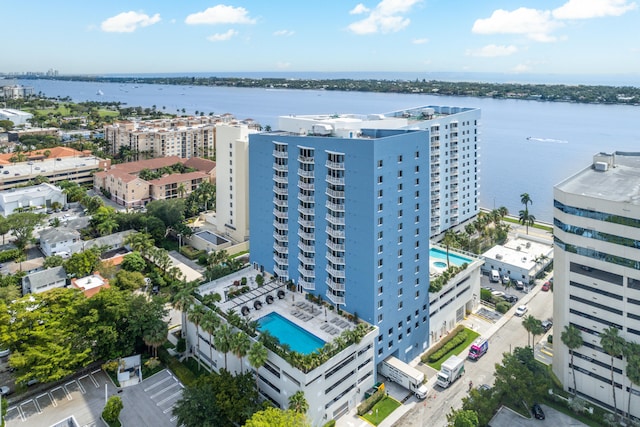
{"x":35,"y":402}
{"x":157,"y":384}
{"x":169,"y":398}
{"x":93,"y":380}
{"x":53,"y":401}
{"x":16,"y":408}
{"x":82,"y":390}
{"x":169,"y":387}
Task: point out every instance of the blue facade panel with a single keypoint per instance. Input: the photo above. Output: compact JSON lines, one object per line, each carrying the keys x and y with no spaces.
{"x":386,"y":225}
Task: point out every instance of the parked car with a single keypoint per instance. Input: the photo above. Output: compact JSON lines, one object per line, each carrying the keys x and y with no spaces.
{"x":546,"y":286}
{"x":510,"y":298}
{"x":4,"y":390}
{"x":497,"y":293}
{"x":519,"y":285}
{"x":5,"y":352}
{"x":546,"y":325}
{"x":521,"y":310}
{"x":537,"y":412}
{"x":506,"y":279}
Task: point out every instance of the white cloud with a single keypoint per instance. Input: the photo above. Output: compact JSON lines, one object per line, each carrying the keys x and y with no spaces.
{"x":521,"y":68}
{"x":492,"y":51}
{"x":220,"y":37}
{"x":535,"y":24}
{"x":359,"y":9}
{"x":387,"y":17}
{"x":283,"y":65}
{"x":420,"y":41}
{"x":283,"y":33}
{"x":220,"y":14}
{"x":128,"y":22}
{"x":586,"y":9}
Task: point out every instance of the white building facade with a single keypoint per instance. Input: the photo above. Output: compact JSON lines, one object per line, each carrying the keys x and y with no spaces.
{"x":36,"y":197}
{"x":232,"y":179}
{"x":597,"y":274}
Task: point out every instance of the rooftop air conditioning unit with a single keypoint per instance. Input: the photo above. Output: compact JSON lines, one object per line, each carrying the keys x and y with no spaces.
{"x":601,"y":166}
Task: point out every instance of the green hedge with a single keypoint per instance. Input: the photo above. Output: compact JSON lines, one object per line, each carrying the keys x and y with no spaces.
{"x":179,"y":370}
{"x":9,"y":255}
{"x":190,"y":252}
{"x":453,"y":343}
{"x":331,"y":423}
{"x":442,"y":343}
{"x":365,"y":406}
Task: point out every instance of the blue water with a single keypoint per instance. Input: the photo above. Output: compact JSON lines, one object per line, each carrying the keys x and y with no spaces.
{"x":562,"y":136}
{"x":289,"y":333}
{"x":453,"y":258}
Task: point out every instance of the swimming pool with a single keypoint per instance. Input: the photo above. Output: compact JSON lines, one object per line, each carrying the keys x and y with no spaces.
{"x":435,"y":253}
{"x":287,"y":332}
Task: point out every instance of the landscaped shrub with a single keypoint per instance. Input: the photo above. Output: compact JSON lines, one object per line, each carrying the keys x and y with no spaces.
{"x":9,"y":255}
{"x":181,"y":346}
{"x":366,"y":406}
{"x":331,"y":423}
{"x":485,"y":295}
{"x":453,"y":343}
{"x":190,"y":252}
{"x":442,"y":343}
{"x":503,"y":307}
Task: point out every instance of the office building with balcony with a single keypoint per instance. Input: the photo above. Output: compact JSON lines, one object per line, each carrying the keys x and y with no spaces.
{"x":341,"y":205}
{"x":597,"y":274}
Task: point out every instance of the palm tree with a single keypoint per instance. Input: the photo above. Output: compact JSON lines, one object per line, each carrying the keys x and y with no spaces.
{"x":240,"y":345}
{"x":195,"y":315}
{"x":182,"y":300}
{"x":449,"y":239}
{"x":210,"y":322}
{"x":612,"y":344}
{"x":140,"y":242}
{"x":257,"y":355}
{"x":530,"y":323}
{"x":222,"y":341}
{"x":181,"y":189}
{"x":503,"y":211}
{"x":298,"y":403}
{"x":632,"y":354}
{"x":107,"y":226}
{"x":156,"y":335}
{"x":526,"y":219}
{"x":572,"y":338}
{"x":525,"y":200}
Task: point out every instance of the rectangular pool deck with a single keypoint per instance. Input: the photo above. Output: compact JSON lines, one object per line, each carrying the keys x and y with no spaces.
{"x":320,"y":321}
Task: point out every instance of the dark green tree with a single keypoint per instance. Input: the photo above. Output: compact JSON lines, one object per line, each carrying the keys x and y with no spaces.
{"x":612,"y":344}
{"x":572,"y":338}
{"x":133,"y":262}
{"x":112,"y":409}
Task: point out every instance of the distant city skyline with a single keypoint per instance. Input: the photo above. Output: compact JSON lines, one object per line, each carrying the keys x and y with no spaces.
{"x":565,"y":37}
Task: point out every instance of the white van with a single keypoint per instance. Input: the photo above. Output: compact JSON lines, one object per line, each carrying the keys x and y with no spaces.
{"x":494,"y":276}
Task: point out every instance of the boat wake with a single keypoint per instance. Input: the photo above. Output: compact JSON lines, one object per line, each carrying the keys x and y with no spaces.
{"x":555,"y":141}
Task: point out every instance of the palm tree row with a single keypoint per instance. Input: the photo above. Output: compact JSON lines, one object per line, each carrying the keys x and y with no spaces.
{"x":616,"y":347}
{"x":525,"y":218}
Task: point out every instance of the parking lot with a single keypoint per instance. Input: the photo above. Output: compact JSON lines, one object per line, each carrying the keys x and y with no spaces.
{"x":81,"y":398}
{"x":507,"y":418}
{"x":149,"y":403}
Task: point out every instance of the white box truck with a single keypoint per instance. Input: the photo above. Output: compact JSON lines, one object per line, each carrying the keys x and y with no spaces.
{"x":399,"y":372}
{"x":450,"y":370}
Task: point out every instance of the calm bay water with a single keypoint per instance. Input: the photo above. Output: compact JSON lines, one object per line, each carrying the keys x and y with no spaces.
{"x":526,"y":146}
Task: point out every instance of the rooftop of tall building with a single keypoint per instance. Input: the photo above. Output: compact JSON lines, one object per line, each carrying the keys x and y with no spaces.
{"x":611,"y":176}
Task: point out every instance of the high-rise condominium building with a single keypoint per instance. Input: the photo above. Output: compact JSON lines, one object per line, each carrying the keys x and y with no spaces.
{"x":597,"y":274}
{"x":342,"y":205}
{"x":232,"y":175}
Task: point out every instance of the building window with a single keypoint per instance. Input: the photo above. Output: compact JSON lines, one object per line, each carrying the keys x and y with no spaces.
{"x":380,"y":275}
{"x":399,"y":239}
{"x":380,"y":262}
{"x":400,"y":174}
{"x":400,"y":294}
{"x":379,"y":249}
{"x":379,"y":235}
{"x":379,"y":207}
{"x":417,"y":181}
{"x":400,"y":279}
{"x":380,"y":221}
{"x":400,"y":213}
{"x":417,"y":154}
{"x":380,"y":320}
{"x":399,"y":253}
{"x":379,"y":179}
{"x":379,"y":290}
{"x":379,"y":163}
{"x":400,"y":305}
{"x":380,"y":303}
{"x":400,"y":158}
{"x":379,"y":193}
{"x":400,"y":187}
{"x":400,"y":200}
{"x":417,"y":169}
{"x":400,"y":227}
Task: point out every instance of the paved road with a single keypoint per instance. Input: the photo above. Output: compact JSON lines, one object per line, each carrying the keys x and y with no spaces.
{"x":432,"y":413}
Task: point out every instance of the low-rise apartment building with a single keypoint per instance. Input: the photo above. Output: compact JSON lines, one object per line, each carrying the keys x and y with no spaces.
{"x":126,"y":185}
{"x":37,"y":197}
{"x":322,"y":359}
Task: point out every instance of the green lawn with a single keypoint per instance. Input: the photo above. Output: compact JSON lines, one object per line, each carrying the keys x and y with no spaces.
{"x":471,"y":336}
{"x":381,"y":410}
{"x":538,"y":226}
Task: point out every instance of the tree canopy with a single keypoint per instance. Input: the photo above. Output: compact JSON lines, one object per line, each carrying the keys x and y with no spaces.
{"x":274,"y":417}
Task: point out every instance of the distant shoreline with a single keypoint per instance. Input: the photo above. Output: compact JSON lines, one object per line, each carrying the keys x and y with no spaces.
{"x":583,"y":94}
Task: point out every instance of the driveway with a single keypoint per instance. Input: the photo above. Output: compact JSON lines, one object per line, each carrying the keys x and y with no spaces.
{"x":505,"y":417}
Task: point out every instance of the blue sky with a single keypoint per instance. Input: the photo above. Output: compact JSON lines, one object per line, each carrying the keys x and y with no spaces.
{"x":152,"y":36}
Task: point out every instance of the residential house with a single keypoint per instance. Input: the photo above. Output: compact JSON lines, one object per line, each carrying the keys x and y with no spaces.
{"x":60,"y":241}
{"x":44,"y":280}
{"x":90,"y":285}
